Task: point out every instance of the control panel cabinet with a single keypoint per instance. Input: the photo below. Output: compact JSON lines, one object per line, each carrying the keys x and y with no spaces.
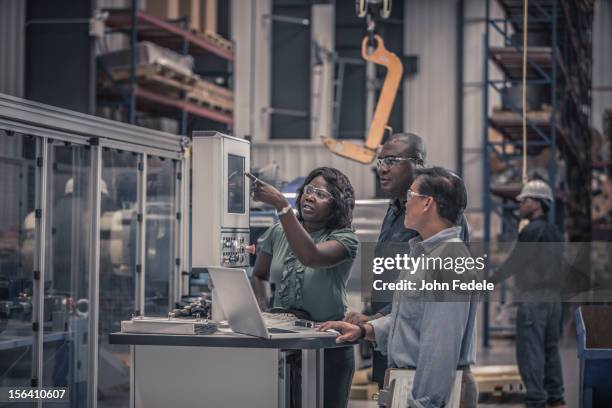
{"x":220,"y":200}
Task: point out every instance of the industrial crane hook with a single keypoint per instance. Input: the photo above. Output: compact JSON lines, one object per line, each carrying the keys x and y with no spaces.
{"x":365,"y":154}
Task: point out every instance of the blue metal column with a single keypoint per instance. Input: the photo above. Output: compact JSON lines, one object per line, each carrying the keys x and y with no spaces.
{"x":486,"y":187}
{"x":552,"y":161}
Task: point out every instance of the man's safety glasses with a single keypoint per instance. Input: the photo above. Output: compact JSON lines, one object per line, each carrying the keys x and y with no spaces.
{"x":390,"y":161}
{"x":411,"y":194}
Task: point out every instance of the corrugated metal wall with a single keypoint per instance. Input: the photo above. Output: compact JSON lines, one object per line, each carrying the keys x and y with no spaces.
{"x":429,"y":101}
{"x":298,"y":158}
{"x":602,"y":61}
{"x":12,"y":47}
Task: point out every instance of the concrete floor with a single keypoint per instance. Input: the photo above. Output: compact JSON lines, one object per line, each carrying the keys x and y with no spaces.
{"x":502,"y":352}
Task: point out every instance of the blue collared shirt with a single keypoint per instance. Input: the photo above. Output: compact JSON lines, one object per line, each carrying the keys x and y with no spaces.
{"x":434,"y":337}
{"x":393,"y":230}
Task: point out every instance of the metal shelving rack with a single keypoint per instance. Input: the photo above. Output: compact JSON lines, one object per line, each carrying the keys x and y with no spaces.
{"x":175,"y":35}
{"x":563,"y":66}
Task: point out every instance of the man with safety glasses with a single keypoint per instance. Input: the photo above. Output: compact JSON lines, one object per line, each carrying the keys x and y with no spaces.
{"x":433,"y":337}
{"x":401,"y":155}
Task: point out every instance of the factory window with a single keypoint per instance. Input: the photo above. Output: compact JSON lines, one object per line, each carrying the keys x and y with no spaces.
{"x":66,"y":300}
{"x":17,"y":170}
{"x":118,"y":283}
{"x":290,"y":79}
{"x":161,"y":217}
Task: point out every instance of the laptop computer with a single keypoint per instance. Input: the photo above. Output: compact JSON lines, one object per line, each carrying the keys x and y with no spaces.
{"x":240,"y":307}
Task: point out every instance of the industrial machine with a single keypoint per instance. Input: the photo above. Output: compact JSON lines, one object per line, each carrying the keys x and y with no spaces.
{"x":220,"y":203}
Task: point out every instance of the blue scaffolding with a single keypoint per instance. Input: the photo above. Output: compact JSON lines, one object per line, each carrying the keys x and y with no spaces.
{"x":543,"y":65}
{"x":557,"y":25}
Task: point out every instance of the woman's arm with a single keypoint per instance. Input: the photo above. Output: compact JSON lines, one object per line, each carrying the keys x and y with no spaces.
{"x":307,"y":252}
{"x":261,"y":277}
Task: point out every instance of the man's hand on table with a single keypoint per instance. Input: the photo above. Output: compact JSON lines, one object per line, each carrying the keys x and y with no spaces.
{"x":348,"y":332}
{"x":356,"y":318}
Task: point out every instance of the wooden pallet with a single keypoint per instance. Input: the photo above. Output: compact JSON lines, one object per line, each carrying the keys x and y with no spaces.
{"x":363,"y":376}
{"x":207,"y":94}
{"x":207,"y":104}
{"x":510,"y":60}
{"x":510,"y":125}
{"x":364,"y":392}
{"x":176,"y":85}
{"x":155,"y":76}
{"x":497,"y":380}
{"x":219,"y":41}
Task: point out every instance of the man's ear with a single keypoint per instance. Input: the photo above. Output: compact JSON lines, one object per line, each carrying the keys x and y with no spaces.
{"x":429,"y":203}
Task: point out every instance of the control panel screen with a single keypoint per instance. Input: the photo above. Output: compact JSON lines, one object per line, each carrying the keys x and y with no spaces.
{"x":235,"y":183}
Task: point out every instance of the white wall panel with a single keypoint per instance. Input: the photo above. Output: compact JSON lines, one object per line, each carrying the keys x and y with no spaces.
{"x":429,"y":96}
{"x":602,"y":61}
{"x":12,"y":47}
{"x":243,"y":25}
{"x":323,"y":75}
{"x":252,"y":33}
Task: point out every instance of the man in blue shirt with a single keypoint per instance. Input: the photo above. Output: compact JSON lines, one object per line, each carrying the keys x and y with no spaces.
{"x":397,"y":162}
{"x":433,"y":338}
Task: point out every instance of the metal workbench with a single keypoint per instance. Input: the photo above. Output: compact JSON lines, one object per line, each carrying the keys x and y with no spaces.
{"x":222,"y":370}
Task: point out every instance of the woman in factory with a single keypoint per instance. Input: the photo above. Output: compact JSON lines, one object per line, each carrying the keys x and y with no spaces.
{"x":308,"y":256}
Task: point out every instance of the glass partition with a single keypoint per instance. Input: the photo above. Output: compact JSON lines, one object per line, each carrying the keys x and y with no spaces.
{"x":161,"y":216}
{"x":17,"y":191}
{"x":118,"y":277}
{"x":66,"y":206}
{"x":66,"y":296}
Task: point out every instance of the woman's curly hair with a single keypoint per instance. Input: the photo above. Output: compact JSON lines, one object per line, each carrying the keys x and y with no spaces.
{"x":342,"y":191}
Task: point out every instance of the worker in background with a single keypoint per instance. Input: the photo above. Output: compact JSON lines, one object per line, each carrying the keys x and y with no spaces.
{"x":434,"y":338}
{"x":308,"y":256}
{"x":537,"y":272}
{"x":397,"y":162}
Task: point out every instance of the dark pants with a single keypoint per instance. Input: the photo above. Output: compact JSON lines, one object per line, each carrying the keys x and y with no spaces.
{"x":538,"y":329}
{"x":339,"y":366}
{"x":379,"y":366}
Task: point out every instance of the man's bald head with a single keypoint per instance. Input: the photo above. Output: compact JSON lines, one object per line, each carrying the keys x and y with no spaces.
{"x":396,"y":178}
{"x":414,"y":145}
